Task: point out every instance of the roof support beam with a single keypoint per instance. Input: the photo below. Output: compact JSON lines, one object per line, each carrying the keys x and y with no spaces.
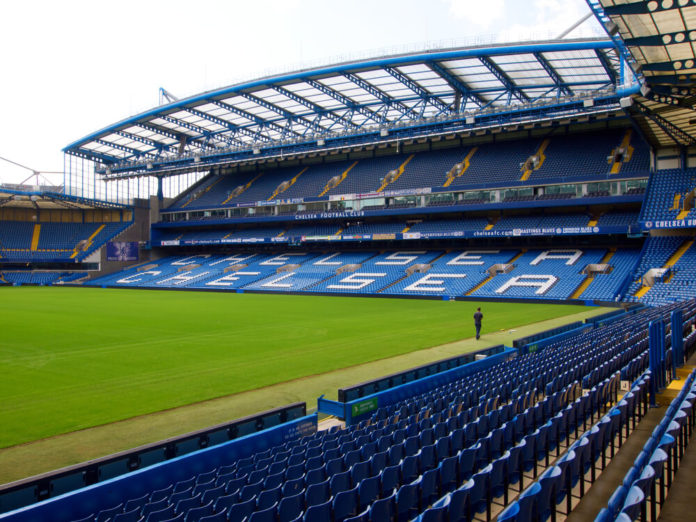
{"x":562,"y":87}
{"x":133,"y":152}
{"x":458,"y":85}
{"x":420,"y":91}
{"x":349,"y":104}
{"x":606,"y":63}
{"x":639,"y":8}
{"x":659,"y":40}
{"x":671,"y":99}
{"x":503,"y":78}
{"x":679,"y":79}
{"x":678,"y":135}
{"x":92,"y":155}
{"x":316,"y":109}
{"x":159,"y":147}
{"x":662,"y":66}
{"x":163,"y":131}
{"x":262,"y":124}
{"x":224,"y":123}
{"x":289,"y":116}
{"x":377,"y":93}
{"x":202,"y":134}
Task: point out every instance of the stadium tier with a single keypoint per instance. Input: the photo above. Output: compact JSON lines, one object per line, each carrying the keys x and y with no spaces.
{"x":498,"y":437}
{"x":27,"y":242}
{"x":558,"y":274}
{"x":669,"y":195}
{"x":554,"y":159}
{"x":415,"y":227}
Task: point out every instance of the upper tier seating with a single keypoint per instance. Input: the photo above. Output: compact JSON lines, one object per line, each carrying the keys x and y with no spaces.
{"x":665,"y":188}
{"x":580,"y":157}
{"x":23,"y":241}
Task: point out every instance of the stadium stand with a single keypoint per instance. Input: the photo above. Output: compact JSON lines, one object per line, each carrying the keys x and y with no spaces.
{"x":488,"y":445}
{"x":487,"y":165}
{"x":667,"y":193}
{"x":509,"y":201}
{"x":533,"y":274}
{"x":21,"y":241}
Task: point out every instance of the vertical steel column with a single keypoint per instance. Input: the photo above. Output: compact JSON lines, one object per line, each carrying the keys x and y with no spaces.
{"x":656,"y":350}
{"x":677,"y":341}
{"x":160,"y":194}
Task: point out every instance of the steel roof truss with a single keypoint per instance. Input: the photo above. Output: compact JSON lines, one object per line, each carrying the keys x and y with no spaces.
{"x":350,"y":104}
{"x":320,"y":111}
{"x":280,"y":111}
{"x":512,"y":89}
{"x":236,"y":129}
{"x":678,"y":135}
{"x":458,"y":85}
{"x":162,"y":131}
{"x":608,"y":68}
{"x":377,"y":93}
{"x":202,"y":134}
{"x":159,"y":147}
{"x":562,"y":87}
{"x":639,"y":8}
{"x":420,"y":91}
{"x":244,"y":114}
{"x":92,"y":154}
{"x":128,"y":150}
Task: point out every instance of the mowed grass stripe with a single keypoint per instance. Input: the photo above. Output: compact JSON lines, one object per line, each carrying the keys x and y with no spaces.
{"x":72,"y":358}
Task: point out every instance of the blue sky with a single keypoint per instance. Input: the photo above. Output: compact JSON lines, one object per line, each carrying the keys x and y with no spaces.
{"x":73,"y":67}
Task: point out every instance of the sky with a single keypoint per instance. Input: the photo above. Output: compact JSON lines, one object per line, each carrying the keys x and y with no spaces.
{"x":72,"y":67}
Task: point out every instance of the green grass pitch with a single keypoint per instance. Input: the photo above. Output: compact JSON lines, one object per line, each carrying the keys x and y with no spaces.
{"x":72,"y":358}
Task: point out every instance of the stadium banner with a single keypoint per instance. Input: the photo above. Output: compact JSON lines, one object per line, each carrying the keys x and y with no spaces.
{"x":670,"y":223}
{"x":170,"y":242}
{"x":322,"y":215}
{"x":363,"y":407}
{"x":122,"y":251}
{"x":551,"y":231}
{"x":320,"y":238}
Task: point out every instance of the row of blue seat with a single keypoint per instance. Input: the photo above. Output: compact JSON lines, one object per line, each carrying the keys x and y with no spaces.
{"x":656,"y":464}
{"x":588,"y":454}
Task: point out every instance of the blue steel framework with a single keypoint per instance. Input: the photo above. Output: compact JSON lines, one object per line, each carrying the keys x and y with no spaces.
{"x":658,"y":39}
{"x":347,"y":105}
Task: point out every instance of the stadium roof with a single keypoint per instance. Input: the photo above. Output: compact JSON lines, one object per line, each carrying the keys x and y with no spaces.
{"x":400,"y":96}
{"x":661,"y":39}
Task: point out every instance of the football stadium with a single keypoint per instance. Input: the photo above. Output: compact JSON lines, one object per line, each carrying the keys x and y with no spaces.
{"x":256,"y":303}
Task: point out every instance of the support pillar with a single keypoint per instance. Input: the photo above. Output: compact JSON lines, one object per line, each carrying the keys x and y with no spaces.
{"x":677,"y":341}
{"x":658,"y":378}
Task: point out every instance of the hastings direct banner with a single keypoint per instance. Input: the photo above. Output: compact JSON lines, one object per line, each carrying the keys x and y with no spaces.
{"x":122,"y":251}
